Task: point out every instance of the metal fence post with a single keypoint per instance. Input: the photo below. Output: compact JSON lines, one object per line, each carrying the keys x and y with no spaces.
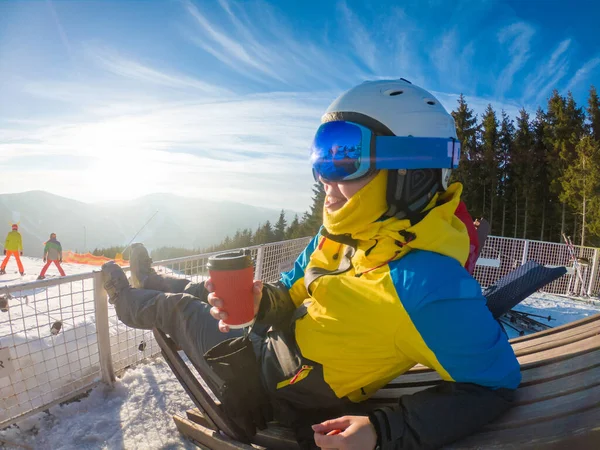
{"x":260,"y":253}
{"x":525,"y":252}
{"x":102,"y":330}
{"x":594,"y":273}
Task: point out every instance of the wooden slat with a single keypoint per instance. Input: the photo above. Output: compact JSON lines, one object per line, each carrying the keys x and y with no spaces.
{"x":196,"y":416}
{"x":559,"y":329}
{"x":567,"y":336}
{"x":584,"y":375}
{"x":574,"y":432}
{"x":566,"y":405}
{"x":210,"y":438}
{"x":560,"y":368}
{"x":562,"y":352}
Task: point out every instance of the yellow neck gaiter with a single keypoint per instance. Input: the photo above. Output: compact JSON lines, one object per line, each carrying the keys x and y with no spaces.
{"x":361,"y":210}
{"x":379,"y":241}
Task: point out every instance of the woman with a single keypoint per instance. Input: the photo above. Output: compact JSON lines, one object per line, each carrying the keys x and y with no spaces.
{"x":381,"y":288}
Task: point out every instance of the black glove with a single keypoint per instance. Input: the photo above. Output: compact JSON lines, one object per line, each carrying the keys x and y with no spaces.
{"x":5,"y":251}
{"x":21,"y":253}
{"x":243,"y":397}
{"x":44,"y":259}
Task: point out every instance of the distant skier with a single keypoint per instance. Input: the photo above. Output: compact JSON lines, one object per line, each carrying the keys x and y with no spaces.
{"x":13,"y":246}
{"x":52,"y":254}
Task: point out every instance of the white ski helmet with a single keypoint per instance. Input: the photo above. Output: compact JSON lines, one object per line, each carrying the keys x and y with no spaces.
{"x":399,"y":108}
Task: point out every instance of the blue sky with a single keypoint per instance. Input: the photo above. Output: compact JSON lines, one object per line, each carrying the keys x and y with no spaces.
{"x":220,"y":99}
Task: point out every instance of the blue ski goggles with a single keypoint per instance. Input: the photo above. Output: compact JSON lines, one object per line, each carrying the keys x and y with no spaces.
{"x":345,"y":151}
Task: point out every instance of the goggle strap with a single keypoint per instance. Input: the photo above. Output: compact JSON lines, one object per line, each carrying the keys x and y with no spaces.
{"x":407,"y":152}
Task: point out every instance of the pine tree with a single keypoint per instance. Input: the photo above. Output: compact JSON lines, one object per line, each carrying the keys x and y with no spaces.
{"x":506,"y":179}
{"x":593,"y":111}
{"x":268,"y":232}
{"x":581,"y":180}
{"x":264,"y":234}
{"x":294,"y":231}
{"x":575,"y":131}
{"x":489,"y":174}
{"x":556,"y":135}
{"x":524,"y":168}
{"x":313,"y":220}
{"x":542,"y":161}
{"x":466,"y":131}
{"x":279,"y":233}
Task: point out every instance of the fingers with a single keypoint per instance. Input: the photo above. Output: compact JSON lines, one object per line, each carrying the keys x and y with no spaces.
{"x":215,"y":301}
{"x":216,"y":312}
{"x":223,"y":327}
{"x":341,"y":423}
{"x":257,"y":287}
{"x":209,"y":286}
{"x":329,"y":442}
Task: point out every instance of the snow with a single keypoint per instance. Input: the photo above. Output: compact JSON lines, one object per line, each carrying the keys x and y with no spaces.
{"x":33,"y":267}
{"x":137,"y":412}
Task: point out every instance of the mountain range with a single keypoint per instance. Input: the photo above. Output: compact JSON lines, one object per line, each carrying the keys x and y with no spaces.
{"x":178,"y":222}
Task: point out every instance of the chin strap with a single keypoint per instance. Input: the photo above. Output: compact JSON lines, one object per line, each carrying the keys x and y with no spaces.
{"x":409,"y":192}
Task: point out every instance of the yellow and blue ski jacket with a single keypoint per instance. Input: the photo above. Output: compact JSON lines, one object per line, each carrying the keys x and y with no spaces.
{"x":396,"y":295}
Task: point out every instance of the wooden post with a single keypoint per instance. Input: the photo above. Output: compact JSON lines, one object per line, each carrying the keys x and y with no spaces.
{"x":594,"y":273}
{"x":102,"y":330}
{"x":525,"y":252}
{"x":258,"y":271}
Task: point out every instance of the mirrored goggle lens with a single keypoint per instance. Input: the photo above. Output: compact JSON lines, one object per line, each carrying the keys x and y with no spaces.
{"x":340,"y":151}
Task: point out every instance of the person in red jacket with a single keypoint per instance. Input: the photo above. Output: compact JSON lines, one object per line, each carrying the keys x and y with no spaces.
{"x":52,"y":254}
{"x":462,"y":213}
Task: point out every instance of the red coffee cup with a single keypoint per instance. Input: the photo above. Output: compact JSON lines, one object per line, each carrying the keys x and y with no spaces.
{"x":232,"y":277}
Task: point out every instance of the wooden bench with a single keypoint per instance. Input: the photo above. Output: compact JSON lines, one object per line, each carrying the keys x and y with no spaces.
{"x":557,"y":405}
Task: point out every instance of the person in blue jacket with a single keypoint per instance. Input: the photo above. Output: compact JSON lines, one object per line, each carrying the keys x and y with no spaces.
{"x":380,"y":289}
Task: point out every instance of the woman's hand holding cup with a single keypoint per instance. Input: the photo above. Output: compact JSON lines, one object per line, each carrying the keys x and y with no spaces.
{"x":217,"y":304}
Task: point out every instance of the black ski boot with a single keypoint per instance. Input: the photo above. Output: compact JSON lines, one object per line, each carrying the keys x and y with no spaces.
{"x":41,"y":277}
{"x":114,"y":280}
{"x":140,"y":265}
{"x":2,"y":272}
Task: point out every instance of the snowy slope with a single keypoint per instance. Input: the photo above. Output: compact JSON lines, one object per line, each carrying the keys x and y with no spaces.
{"x":33,"y":267}
{"x":136,"y":413}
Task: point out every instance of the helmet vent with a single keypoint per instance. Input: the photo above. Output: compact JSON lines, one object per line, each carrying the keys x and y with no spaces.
{"x":430,"y":102}
{"x":394,"y":93}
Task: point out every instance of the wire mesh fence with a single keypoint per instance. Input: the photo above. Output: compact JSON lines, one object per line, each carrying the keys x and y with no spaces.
{"x":48,"y":333}
{"x":58,"y":337}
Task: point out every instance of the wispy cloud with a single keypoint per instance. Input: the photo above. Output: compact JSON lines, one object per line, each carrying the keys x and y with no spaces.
{"x":61,"y":30}
{"x":548,"y":74}
{"x":262,"y":47}
{"x":518,"y":35}
{"x":479,"y":104}
{"x":361,"y":39}
{"x":229,"y":50}
{"x":583,"y":73}
{"x":132,"y":69}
